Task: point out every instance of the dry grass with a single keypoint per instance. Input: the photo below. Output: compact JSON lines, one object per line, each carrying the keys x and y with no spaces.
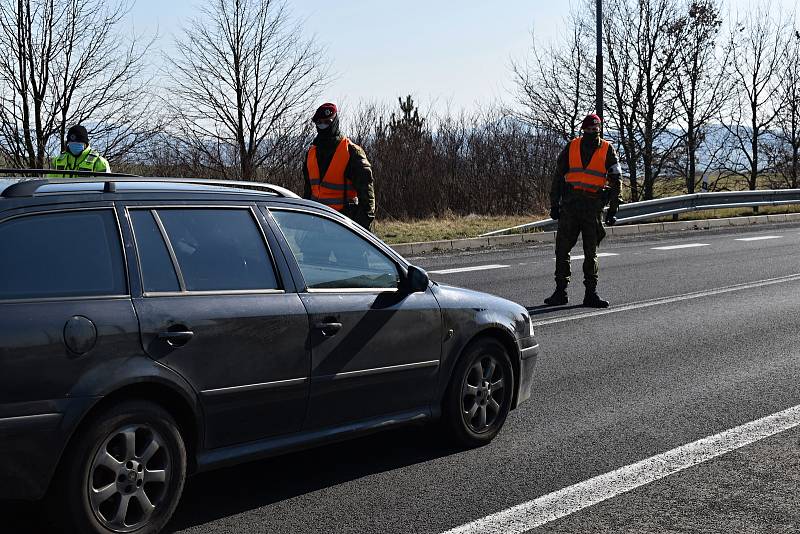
{"x":451,"y":227}
{"x":458,"y":227}
{"x":455,"y":227}
{"x":676,"y":186}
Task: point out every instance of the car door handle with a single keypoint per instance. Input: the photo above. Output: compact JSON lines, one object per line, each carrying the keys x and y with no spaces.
{"x":176,"y":339}
{"x":328,"y":329}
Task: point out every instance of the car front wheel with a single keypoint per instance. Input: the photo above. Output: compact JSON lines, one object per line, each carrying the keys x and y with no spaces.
{"x":124,"y":472}
{"x":479,"y":395}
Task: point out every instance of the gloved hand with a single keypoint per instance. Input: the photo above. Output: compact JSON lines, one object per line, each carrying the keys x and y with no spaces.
{"x":363,"y":218}
{"x":611,"y":218}
{"x":366,"y":222}
{"x":554,"y":212}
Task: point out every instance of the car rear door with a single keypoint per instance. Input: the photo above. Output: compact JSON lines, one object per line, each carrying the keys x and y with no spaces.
{"x":217,"y":308}
{"x":65,"y":307}
{"x":66,"y":323}
{"x":375,"y":349}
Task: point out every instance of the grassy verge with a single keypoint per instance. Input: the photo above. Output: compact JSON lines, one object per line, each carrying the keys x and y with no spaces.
{"x":677,"y":186}
{"x":453,"y":227}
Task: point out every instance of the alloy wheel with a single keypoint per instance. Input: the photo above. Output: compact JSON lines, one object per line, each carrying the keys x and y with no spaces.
{"x":483,"y":394}
{"x":128,"y":477}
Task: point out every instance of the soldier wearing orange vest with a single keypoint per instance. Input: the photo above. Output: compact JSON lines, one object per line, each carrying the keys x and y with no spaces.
{"x":587,"y":178}
{"x":337,"y":172}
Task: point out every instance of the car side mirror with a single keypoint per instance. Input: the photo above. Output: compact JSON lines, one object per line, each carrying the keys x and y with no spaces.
{"x":417,"y":279}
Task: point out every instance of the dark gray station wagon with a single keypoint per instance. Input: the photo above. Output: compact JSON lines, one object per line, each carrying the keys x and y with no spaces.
{"x":150,"y":329}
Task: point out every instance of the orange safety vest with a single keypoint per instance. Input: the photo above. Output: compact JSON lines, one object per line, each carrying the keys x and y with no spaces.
{"x":334,"y":189}
{"x":593,"y":178}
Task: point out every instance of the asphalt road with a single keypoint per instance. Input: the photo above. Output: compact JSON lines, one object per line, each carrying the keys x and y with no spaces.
{"x":699,"y":340}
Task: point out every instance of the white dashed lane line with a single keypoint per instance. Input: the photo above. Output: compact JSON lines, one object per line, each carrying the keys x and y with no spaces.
{"x":759,"y":238}
{"x":566,"y":501}
{"x":676,"y":247}
{"x":600,"y":255}
{"x":669,"y":300}
{"x":468,"y":269}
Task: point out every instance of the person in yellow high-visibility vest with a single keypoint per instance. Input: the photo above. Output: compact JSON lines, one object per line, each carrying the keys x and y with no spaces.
{"x":587,"y":178}
{"x":337,"y":172}
{"x":78,"y":155}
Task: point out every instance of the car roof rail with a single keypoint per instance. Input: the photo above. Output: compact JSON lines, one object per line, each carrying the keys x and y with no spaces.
{"x":39,"y":172}
{"x":27,"y":188}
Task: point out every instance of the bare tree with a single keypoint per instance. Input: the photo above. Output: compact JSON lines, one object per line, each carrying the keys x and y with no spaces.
{"x":554,"y":84}
{"x":701,"y":89}
{"x":624,"y":86}
{"x":243,"y":81}
{"x":788,"y":119}
{"x":64,"y":63}
{"x":757,"y":44}
{"x":643,"y":39}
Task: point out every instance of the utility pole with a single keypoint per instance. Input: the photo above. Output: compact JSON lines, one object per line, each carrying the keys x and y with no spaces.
{"x":599,"y":63}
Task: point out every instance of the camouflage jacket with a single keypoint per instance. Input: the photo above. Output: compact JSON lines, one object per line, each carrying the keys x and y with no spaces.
{"x":358,"y":171}
{"x":560,"y":192}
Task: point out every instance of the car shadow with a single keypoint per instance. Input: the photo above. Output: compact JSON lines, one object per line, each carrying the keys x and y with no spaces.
{"x":218,"y":494}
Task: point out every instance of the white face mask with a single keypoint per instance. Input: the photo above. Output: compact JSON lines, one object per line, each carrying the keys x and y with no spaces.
{"x":322,"y":125}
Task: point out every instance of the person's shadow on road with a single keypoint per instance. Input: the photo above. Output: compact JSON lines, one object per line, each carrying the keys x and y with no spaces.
{"x":544,"y":308}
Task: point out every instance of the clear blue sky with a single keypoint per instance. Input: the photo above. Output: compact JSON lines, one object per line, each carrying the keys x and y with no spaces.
{"x":442,"y":51}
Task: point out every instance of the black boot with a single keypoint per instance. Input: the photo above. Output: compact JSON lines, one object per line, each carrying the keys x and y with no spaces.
{"x":558,"y":298}
{"x":592,"y":300}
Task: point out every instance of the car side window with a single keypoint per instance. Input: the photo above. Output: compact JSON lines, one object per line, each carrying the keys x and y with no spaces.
{"x":158,"y":272}
{"x":331,"y":256}
{"x":218,"y":249}
{"x":64,"y":254}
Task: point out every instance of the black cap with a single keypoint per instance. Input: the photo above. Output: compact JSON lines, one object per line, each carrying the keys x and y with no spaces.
{"x":78,"y":134}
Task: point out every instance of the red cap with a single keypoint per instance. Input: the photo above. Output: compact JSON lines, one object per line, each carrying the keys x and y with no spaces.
{"x":325,"y":113}
{"x":591,"y":121}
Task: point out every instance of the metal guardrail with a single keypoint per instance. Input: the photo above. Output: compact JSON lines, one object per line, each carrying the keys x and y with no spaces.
{"x":663,"y":207}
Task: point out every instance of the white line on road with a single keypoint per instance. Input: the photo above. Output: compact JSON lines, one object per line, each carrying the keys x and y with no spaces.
{"x":468,"y":269}
{"x":759,"y":238}
{"x":569,"y":500}
{"x":668,"y":300}
{"x":687,"y":245}
{"x":600,"y":255}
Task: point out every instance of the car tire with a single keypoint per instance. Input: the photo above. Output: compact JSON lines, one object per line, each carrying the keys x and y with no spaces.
{"x":479,"y":395}
{"x":123,"y":472}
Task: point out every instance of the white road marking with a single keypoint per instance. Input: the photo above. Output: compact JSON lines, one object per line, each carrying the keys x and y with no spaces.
{"x":668,"y":300}
{"x":468,"y":269}
{"x":600,"y":255}
{"x":759,"y":238}
{"x":675,"y":247}
{"x":566,"y":501}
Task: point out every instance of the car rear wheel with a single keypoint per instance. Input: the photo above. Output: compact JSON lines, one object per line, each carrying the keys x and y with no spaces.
{"x":124,"y":472}
{"x":479,"y":395}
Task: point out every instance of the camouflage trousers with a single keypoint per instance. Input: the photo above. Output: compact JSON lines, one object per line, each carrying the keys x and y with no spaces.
{"x":580,"y":218}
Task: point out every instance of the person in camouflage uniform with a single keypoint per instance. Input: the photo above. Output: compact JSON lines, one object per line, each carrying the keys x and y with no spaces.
{"x":337,"y":172}
{"x":587,"y":178}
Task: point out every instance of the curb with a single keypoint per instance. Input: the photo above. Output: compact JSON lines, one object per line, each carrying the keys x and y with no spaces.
{"x":405,"y":249}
